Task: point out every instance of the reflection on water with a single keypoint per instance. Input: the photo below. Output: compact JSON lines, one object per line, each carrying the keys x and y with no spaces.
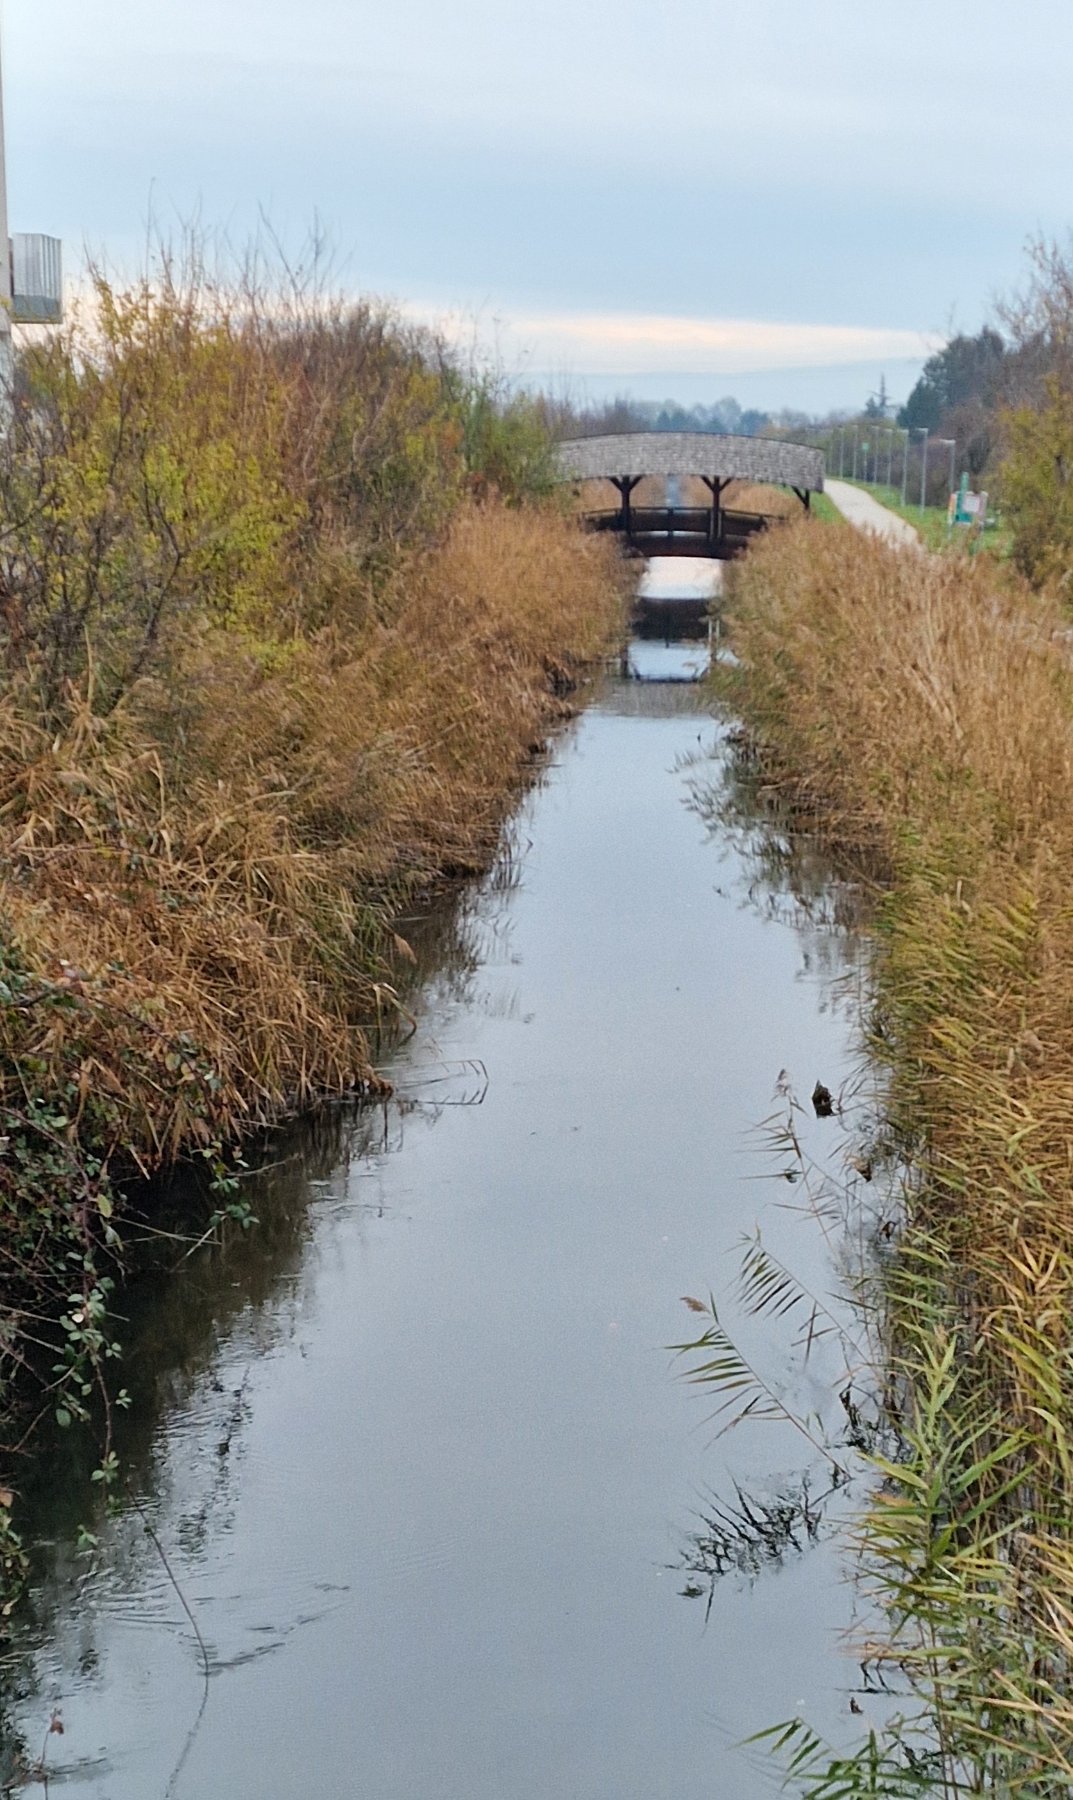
{"x":683,"y":661}
{"x":413,"y":1449}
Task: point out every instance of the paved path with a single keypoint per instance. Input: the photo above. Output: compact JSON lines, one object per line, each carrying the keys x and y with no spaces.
{"x":867,"y":514}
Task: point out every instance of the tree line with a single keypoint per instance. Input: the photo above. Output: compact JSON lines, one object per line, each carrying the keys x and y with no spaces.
{"x":1003,"y":395}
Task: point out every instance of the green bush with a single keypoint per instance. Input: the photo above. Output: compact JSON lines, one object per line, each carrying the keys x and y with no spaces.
{"x":1037,"y":486}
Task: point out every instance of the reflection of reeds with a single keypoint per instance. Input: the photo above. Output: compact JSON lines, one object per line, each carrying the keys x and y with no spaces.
{"x":285,"y":613}
{"x":748,"y":1535}
{"x":916,"y":707}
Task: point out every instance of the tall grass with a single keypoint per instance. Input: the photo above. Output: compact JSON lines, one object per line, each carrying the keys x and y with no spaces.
{"x":286,"y":602}
{"x":920,"y":712}
{"x":746,"y":496}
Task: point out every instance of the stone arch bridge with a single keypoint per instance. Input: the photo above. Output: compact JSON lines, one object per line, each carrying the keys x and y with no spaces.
{"x":675,"y":529}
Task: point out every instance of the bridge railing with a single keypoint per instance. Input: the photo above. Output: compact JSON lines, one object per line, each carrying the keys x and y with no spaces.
{"x":686,"y":528}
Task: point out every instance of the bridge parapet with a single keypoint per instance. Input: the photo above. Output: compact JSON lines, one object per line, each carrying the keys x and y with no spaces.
{"x":632,"y":455}
{"x":626,"y":458}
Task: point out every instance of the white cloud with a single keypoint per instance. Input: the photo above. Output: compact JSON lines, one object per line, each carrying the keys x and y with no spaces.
{"x":624,"y":343}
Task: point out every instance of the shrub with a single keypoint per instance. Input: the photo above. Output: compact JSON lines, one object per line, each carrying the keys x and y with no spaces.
{"x":1037,"y":486}
{"x":281,"y":619}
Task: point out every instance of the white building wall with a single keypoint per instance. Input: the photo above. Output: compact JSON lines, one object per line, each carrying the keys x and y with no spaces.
{"x":6,"y":353}
{"x":36,"y":278}
{"x":5,"y":253}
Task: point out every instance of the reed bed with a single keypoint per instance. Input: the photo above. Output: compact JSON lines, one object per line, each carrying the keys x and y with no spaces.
{"x":744,"y":496}
{"x":287,"y":603}
{"x":919,"y":713}
{"x":651,"y":490}
{"x":216,"y":862}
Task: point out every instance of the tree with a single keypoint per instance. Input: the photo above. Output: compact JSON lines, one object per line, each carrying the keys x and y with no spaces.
{"x":1036,"y":474}
{"x":725,"y":415}
{"x":1037,"y":485}
{"x":966,"y":368}
{"x":878,"y":404}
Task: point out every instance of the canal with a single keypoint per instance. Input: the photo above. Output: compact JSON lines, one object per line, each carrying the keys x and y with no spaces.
{"x":413,"y":1451}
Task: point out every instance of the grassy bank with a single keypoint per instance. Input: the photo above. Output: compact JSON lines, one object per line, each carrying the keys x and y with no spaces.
{"x":286,"y":603}
{"x":931,"y":522}
{"x":824,"y":509}
{"x":922,"y":718}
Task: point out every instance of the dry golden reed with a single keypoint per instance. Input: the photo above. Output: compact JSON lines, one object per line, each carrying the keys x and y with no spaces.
{"x":288,"y":599}
{"x":920,"y":710}
{"x":744,"y":496}
{"x":215,"y":862}
{"x":930,"y":714}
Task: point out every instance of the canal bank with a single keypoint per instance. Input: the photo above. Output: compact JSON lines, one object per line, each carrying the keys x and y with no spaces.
{"x":414,"y":1451}
{"x":915,"y":712}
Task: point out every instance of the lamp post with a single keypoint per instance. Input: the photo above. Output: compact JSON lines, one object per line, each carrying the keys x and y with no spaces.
{"x":924,"y":468}
{"x":905,"y":465}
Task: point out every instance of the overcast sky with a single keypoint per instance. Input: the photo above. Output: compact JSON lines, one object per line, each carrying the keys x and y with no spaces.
{"x":697,"y":186}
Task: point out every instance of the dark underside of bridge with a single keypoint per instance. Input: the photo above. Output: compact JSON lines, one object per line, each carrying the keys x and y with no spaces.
{"x":681,"y":530}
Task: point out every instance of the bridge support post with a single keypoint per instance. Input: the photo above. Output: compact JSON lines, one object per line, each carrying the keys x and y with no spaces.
{"x":715,"y":487}
{"x":625,"y":485}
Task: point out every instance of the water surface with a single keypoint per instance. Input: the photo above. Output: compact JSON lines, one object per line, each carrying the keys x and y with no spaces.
{"x":414,"y":1449}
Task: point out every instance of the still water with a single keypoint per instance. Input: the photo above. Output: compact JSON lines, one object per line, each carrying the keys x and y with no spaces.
{"x":414,"y":1449}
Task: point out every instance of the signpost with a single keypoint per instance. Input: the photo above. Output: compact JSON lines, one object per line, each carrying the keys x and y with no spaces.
{"x":967,"y":508}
